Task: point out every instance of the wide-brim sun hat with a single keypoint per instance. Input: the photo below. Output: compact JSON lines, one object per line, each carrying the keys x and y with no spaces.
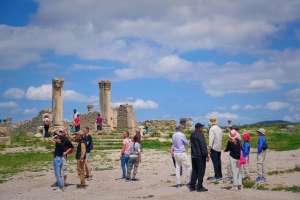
{"x":262,"y":131}
{"x":234,"y":134}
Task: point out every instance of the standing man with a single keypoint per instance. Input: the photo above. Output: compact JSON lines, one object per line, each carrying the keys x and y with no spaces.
{"x":58,"y":162}
{"x":99,"y":122}
{"x":77,"y":123}
{"x":80,"y":157}
{"x":68,"y":149}
{"x":179,"y":142}
{"x":199,"y":156}
{"x":89,"y":148}
{"x":215,"y":147}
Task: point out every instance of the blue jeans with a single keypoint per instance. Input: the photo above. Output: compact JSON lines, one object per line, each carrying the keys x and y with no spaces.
{"x":57,"y":165}
{"x":124,"y":165}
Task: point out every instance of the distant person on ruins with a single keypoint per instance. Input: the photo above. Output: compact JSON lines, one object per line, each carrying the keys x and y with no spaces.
{"x":246,"y":153}
{"x":124,"y":157}
{"x":134,"y":158}
{"x":234,"y":148}
{"x":81,"y":158}
{"x":262,"y":147}
{"x":179,"y":142}
{"x":90,"y":146}
{"x":58,"y":161}
{"x":46,"y":123}
{"x":99,"y":122}
{"x":215,"y":147}
{"x":77,"y":123}
{"x":75,"y":113}
{"x":199,"y":156}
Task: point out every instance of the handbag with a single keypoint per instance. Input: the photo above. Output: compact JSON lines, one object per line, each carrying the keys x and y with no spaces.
{"x":242,"y":160}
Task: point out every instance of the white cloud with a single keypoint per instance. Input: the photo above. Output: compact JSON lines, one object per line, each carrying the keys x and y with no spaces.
{"x":14,"y":93}
{"x":139,"y":104}
{"x":264,"y":84}
{"x":8,"y":105}
{"x":235,"y":107}
{"x":252,"y":107}
{"x":292,"y":117}
{"x":29,"y":111}
{"x":222,"y":115}
{"x":276,"y":105}
{"x":294,"y":94}
{"x":44,"y":92}
{"x":87,"y":67}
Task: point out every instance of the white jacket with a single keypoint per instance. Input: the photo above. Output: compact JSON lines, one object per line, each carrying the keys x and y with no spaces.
{"x":215,"y":138}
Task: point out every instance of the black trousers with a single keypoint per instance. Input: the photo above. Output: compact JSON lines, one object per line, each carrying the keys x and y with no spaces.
{"x":46,"y":128}
{"x":216,"y":160}
{"x":198,"y":171}
{"x":77,"y":128}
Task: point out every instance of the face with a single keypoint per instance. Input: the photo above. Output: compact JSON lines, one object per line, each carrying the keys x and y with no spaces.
{"x":85,"y":131}
{"x":125,"y":135}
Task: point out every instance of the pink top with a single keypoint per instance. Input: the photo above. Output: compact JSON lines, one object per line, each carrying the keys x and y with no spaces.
{"x":126,"y":143}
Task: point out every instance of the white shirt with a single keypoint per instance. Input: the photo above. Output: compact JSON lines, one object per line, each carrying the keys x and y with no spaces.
{"x":215,"y":138}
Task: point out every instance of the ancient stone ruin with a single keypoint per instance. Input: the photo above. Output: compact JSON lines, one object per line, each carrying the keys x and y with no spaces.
{"x":5,"y":130}
{"x":57,"y":102}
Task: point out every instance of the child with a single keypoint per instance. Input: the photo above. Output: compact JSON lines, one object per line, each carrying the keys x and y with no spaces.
{"x":246,"y":153}
{"x":261,"y":154}
{"x":234,"y":148}
{"x":134,"y":158}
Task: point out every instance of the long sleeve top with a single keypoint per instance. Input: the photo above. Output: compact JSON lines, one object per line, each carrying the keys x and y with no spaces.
{"x":198,"y":145}
{"x":246,"y":149}
{"x":234,"y":149}
{"x":179,"y":141}
{"x":215,"y":138}
{"x":262,"y":143}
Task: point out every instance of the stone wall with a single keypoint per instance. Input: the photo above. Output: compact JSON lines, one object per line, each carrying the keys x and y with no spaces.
{"x":126,"y":117}
{"x":160,"y":125}
{"x":31,"y":126}
{"x":88,"y":120}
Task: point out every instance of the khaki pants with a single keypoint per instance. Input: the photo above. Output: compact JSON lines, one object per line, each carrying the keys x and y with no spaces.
{"x":236,"y":172}
{"x":80,"y":171}
{"x":260,"y":164}
{"x":181,"y":159}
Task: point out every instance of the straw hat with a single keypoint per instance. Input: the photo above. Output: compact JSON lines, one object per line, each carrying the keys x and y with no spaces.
{"x":262,"y":131}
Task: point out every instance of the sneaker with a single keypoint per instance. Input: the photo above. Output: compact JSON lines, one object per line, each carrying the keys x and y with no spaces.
{"x":210,"y":178}
{"x":192,"y":188}
{"x":258,"y":179}
{"x":202,"y":189}
{"x":54,"y":185}
{"x":239,"y":187}
{"x":134,"y":179}
{"x":128,"y":179}
{"x":89,"y":178}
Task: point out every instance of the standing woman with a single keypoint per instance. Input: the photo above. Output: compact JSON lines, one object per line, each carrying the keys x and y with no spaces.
{"x":124,"y":157}
{"x":134,"y":158}
{"x":234,"y":147}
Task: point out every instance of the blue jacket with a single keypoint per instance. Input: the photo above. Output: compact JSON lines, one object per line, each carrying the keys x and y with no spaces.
{"x":262,"y":144}
{"x":246,"y":149}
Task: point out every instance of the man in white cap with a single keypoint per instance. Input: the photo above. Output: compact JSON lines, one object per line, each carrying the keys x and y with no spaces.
{"x":179,"y":142}
{"x":215,"y":148}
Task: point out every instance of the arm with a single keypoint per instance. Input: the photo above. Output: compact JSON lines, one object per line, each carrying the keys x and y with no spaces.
{"x":260,"y":145}
{"x":83,"y":151}
{"x":227,"y":147}
{"x":211,"y":138}
{"x":185,"y":141}
{"x":203,"y":146}
{"x":123,"y":149}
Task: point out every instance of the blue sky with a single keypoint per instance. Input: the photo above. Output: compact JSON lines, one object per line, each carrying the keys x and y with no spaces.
{"x":170,"y":59}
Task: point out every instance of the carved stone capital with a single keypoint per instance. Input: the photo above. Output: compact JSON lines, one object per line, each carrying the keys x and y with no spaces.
{"x":57,"y":83}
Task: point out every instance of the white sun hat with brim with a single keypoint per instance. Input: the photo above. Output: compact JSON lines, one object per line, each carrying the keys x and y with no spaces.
{"x":262,"y":131}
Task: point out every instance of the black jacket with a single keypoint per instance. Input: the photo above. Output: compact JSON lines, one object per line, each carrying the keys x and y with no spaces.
{"x":234,"y":149}
{"x":198,"y":145}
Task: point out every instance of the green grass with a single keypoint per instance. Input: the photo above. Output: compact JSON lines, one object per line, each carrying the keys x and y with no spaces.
{"x":295,"y":188}
{"x":13,"y":163}
{"x":276,"y":172}
{"x":156,"y":144}
{"x":248,"y":183}
{"x":24,"y":140}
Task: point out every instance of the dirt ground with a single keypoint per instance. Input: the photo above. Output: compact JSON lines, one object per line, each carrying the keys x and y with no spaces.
{"x":156,"y":181}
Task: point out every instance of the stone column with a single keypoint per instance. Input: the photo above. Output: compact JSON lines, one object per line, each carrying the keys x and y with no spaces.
{"x":90,"y":108}
{"x":57,"y":101}
{"x":105,"y":102}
